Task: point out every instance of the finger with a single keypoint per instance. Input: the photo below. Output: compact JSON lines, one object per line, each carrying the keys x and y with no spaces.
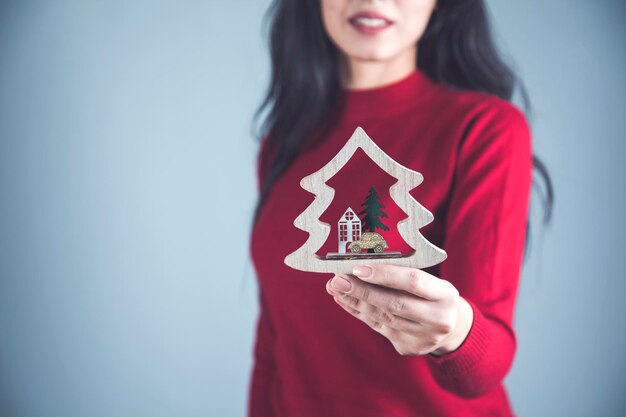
{"x":346,"y":306}
{"x":380,"y":327}
{"x":396,"y":302}
{"x":412,"y":280}
{"x":376,"y":314}
{"x":404,"y":343}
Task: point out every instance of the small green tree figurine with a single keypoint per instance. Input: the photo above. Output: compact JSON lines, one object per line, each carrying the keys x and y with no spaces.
{"x":373,"y":212}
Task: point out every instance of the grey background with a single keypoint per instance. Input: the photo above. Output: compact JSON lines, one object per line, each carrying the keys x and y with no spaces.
{"x":128,"y":179}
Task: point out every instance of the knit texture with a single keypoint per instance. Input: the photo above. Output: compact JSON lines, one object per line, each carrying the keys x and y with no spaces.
{"x":312,"y":358}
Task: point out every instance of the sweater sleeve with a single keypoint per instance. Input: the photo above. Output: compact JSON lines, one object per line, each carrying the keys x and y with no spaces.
{"x":485,"y":234}
{"x":263,"y":370}
{"x":260,"y":392}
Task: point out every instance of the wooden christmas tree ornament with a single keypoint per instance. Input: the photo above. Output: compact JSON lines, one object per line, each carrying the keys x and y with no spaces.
{"x":351,"y":240}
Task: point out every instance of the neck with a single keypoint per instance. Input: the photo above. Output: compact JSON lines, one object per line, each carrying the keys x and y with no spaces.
{"x":361,"y":73}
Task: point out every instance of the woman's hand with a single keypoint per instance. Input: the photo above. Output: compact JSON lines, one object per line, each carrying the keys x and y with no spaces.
{"x":418,"y":312}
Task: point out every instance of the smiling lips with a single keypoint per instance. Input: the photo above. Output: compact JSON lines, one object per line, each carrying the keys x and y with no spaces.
{"x":369,"y":22}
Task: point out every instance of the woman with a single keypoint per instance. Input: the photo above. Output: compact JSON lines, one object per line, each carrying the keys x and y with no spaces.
{"x":423,"y":78}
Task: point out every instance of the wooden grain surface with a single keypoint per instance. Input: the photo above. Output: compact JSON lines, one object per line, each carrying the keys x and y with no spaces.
{"x":304,"y":258}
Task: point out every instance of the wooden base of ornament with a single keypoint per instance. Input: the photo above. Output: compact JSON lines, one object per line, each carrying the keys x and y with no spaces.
{"x":364,"y":255}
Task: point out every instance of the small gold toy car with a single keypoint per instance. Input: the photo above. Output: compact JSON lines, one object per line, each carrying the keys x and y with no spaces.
{"x":369,"y":240}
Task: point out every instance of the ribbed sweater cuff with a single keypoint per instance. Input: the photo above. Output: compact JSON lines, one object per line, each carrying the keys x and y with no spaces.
{"x":469,"y":353}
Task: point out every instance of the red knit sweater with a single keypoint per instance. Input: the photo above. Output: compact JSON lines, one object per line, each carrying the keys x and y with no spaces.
{"x":312,"y":358}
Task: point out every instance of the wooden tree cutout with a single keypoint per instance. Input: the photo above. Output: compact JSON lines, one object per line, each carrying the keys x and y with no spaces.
{"x":425,"y":254}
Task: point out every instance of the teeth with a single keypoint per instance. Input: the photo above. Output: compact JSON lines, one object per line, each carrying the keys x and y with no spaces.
{"x":371,"y":22}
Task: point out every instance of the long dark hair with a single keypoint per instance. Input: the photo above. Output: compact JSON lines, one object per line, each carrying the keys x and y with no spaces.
{"x":456,"y":49}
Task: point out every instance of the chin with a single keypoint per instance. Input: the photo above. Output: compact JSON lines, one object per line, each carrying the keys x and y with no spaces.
{"x":368,"y":50}
{"x":370,"y":55}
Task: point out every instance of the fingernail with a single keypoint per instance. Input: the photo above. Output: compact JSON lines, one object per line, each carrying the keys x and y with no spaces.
{"x":362,"y":271}
{"x":341,"y":284}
